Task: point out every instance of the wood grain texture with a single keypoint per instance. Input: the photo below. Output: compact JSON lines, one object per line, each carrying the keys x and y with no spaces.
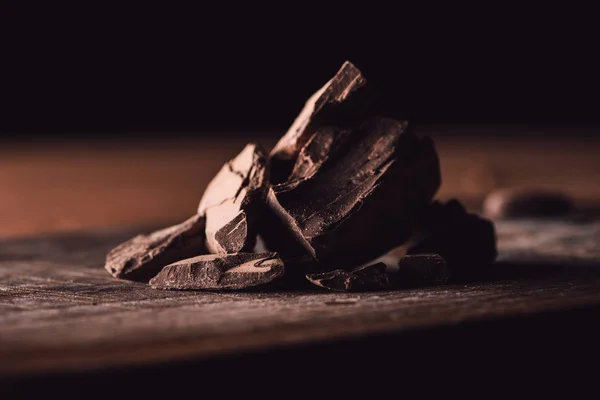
{"x":60,"y":310}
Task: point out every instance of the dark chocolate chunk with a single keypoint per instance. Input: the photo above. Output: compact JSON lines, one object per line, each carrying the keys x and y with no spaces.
{"x":221,"y":272}
{"x":342,"y":101}
{"x":142,"y":257}
{"x":465,"y":241}
{"x":316,"y":152}
{"x":371,"y":277}
{"x":421,"y":270}
{"x":361,"y":202}
{"x":526,"y":203}
{"x":296,"y":270}
{"x":233,"y":201}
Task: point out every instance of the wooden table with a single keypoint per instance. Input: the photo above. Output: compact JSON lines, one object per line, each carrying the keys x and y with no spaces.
{"x":64,"y":318}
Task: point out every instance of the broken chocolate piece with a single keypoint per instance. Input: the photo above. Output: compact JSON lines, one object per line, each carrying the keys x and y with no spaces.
{"x":221,"y":272}
{"x":342,"y":101}
{"x":315,"y":153}
{"x":142,"y":257}
{"x":371,"y":277}
{"x":465,"y":241}
{"x":421,"y":270}
{"x":361,"y":202}
{"x":526,"y":203}
{"x":233,"y":201}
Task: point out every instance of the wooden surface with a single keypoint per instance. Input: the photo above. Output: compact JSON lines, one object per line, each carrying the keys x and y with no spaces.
{"x":61,"y":311}
{"x":64,"y":204}
{"x":72,"y":185}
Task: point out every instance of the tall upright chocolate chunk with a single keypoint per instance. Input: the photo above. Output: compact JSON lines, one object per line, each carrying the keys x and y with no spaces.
{"x":143,"y":257}
{"x":221,"y":272}
{"x":233,"y":202}
{"x":466,"y":241}
{"x":359,"y":203}
{"x":341,"y":102}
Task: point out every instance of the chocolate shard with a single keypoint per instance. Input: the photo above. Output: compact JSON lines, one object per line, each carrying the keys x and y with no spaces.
{"x":526,"y":203}
{"x":221,"y":272}
{"x":342,"y":101}
{"x":233,"y":201}
{"x":143,"y":257}
{"x":315,"y":153}
{"x":421,"y":270}
{"x":371,"y":277}
{"x":465,"y":241}
{"x":361,"y":201}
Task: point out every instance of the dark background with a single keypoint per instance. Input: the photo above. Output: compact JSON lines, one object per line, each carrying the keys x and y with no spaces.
{"x":83,"y":70}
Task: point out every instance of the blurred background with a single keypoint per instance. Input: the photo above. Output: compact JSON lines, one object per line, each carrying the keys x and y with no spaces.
{"x":117,"y":116}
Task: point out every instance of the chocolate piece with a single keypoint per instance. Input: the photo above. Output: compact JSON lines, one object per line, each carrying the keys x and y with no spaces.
{"x":361,"y":202}
{"x":371,"y":277}
{"x":421,"y":270}
{"x":233,"y":201}
{"x":221,"y":272}
{"x":342,"y":101}
{"x":526,"y":203}
{"x":142,"y":257}
{"x":465,"y":241}
{"x":296,"y":270}
{"x":316,"y":152}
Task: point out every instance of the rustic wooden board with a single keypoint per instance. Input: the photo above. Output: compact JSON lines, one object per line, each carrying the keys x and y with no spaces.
{"x":60,"y":310}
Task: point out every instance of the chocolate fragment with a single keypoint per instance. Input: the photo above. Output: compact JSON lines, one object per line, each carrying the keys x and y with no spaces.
{"x":341,"y":187}
{"x":361,"y":202}
{"x":371,"y":277}
{"x":526,"y":203}
{"x":142,"y":257}
{"x":342,"y":101}
{"x":296,"y":270}
{"x":421,"y":270}
{"x":315,"y":153}
{"x":221,"y":272}
{"x":233,"y":201}
{"x":465,"y":241}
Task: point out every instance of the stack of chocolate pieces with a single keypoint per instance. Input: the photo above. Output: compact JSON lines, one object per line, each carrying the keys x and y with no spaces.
{"x":341,"y":188}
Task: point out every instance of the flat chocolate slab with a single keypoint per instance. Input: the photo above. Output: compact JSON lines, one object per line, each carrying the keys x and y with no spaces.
{"x":221,"y":272}
{"x":143,"y":256}
{"x":233,"y":201}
